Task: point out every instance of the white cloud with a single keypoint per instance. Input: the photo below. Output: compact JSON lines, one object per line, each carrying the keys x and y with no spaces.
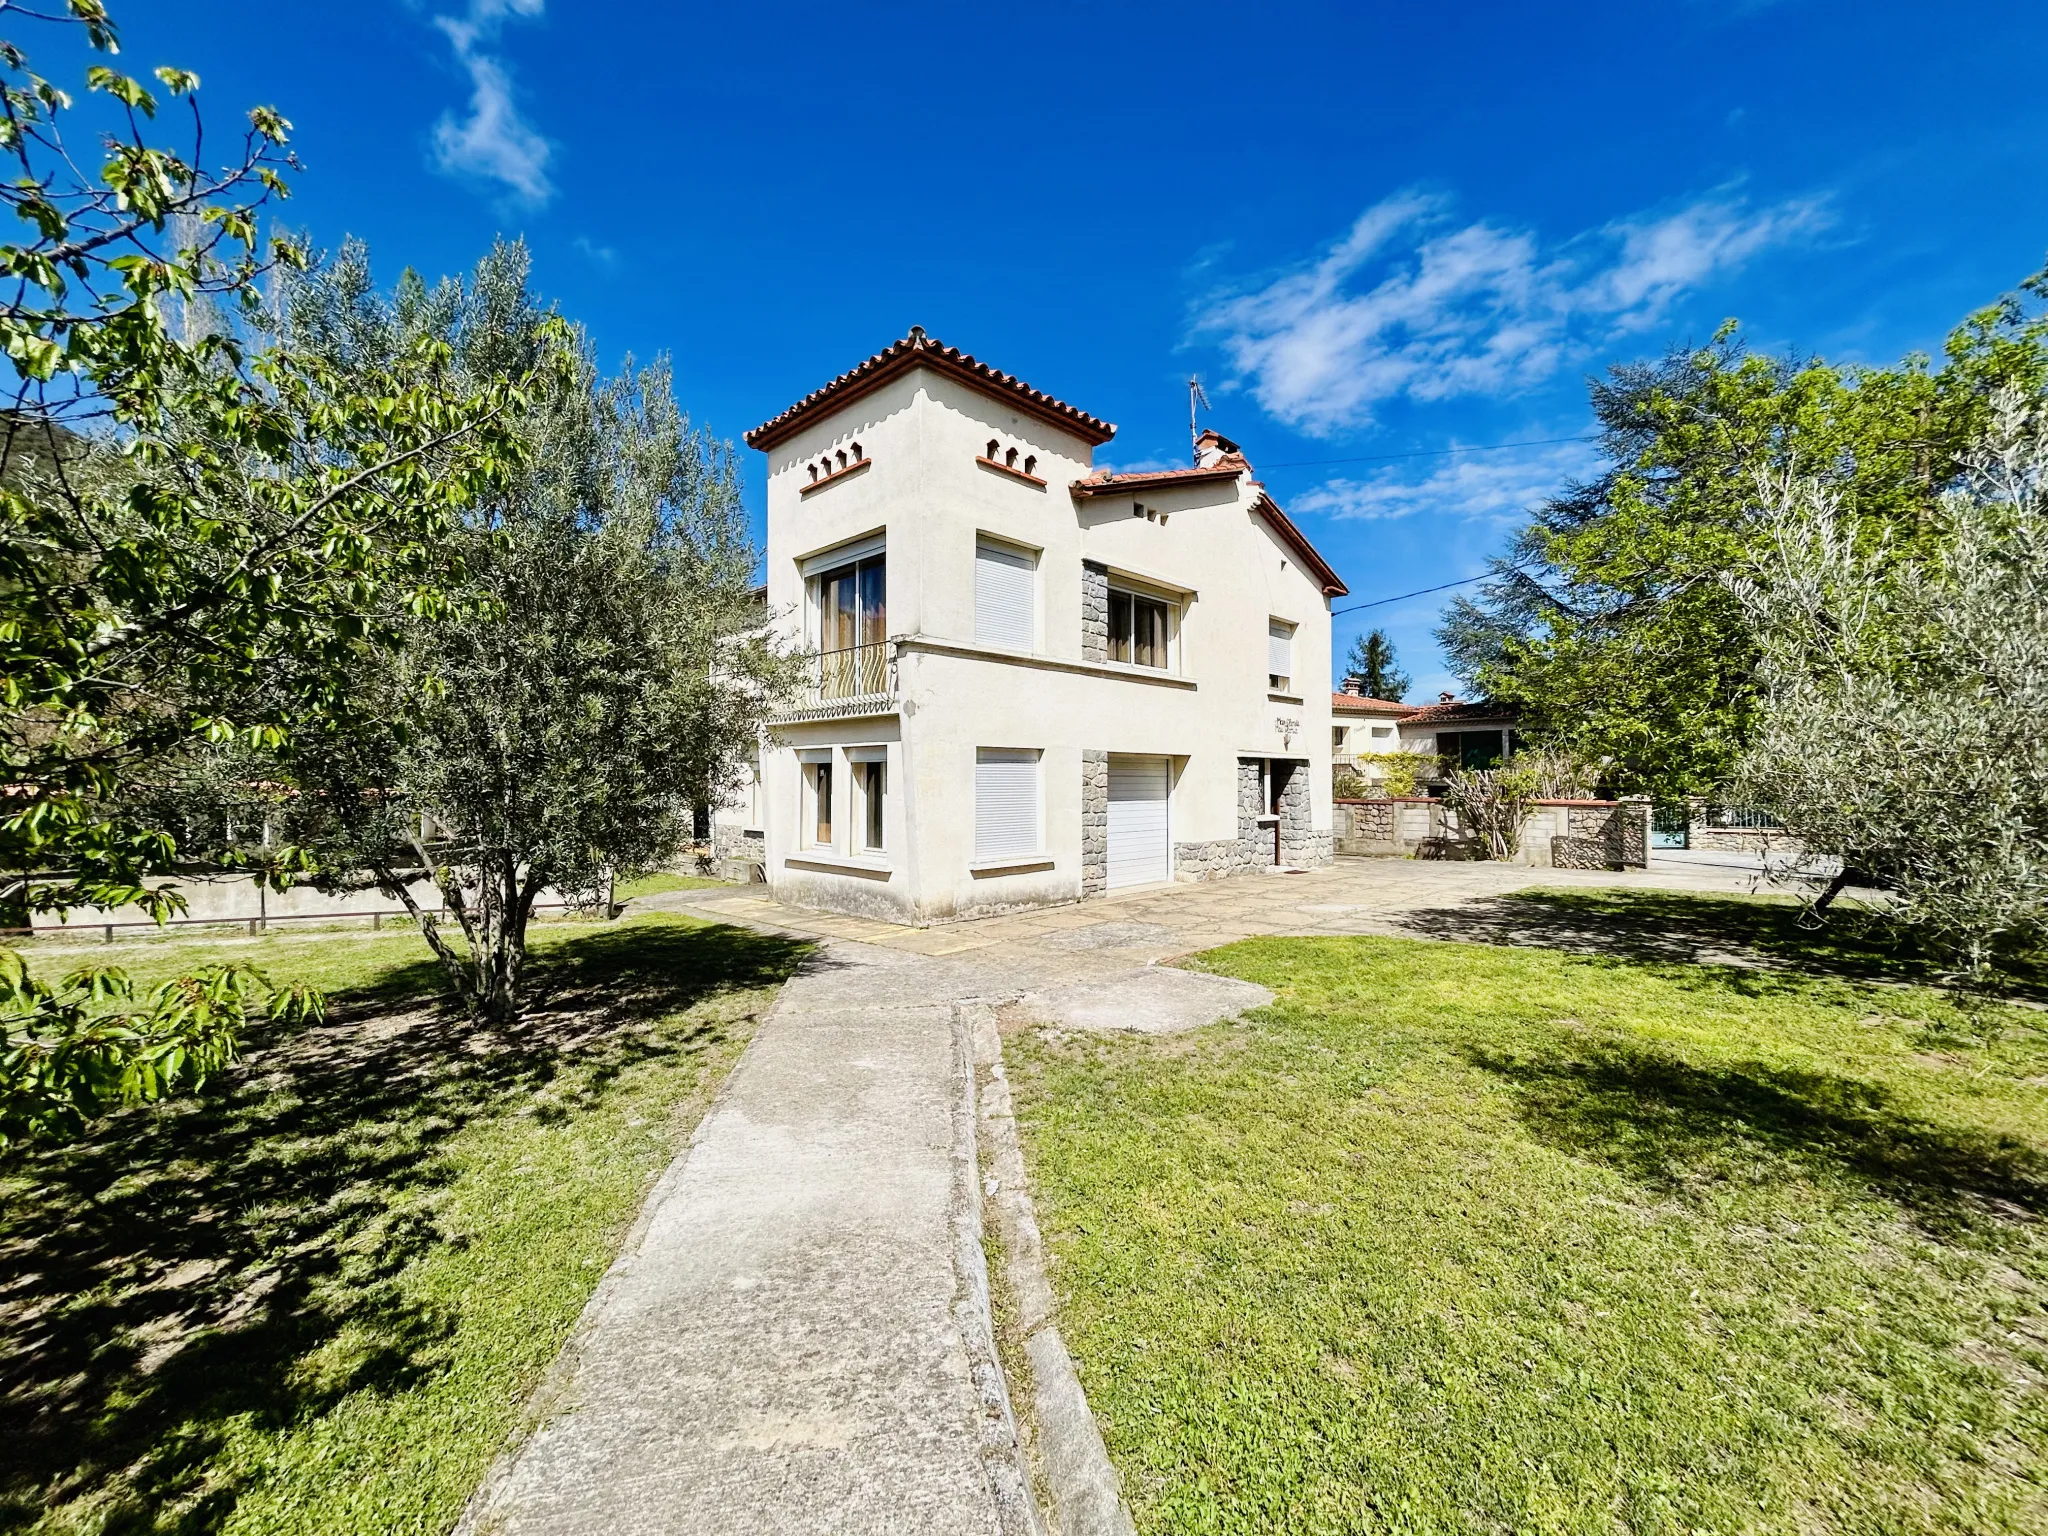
{"x":1493,"y":488}
{"x":603,"y":255}
{"x":1411,"y":303}
{"x":493,"y":141}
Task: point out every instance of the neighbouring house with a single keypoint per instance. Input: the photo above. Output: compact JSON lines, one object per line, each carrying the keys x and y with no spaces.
{"x":1473,"y":734}
{"x":1362,"y":729}
{"x":1035,"y":681}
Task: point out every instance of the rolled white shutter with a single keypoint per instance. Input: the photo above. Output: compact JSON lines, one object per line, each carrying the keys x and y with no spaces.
{"x":1003,"y":597}
{"x":1005,"y":803}
{"x":1279,"y":649}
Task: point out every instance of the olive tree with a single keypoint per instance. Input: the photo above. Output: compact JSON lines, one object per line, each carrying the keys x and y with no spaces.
{"x":606,"y":671}
{"x":1904,"y":691}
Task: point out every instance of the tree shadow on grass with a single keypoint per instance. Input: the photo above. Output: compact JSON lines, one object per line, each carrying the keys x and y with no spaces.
{"x":239,"y":1254}
{"x":1680,"y":1128}
{"x":1666,"y":927}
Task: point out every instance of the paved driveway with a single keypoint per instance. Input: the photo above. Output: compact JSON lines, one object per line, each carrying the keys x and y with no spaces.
{"x":796,"y":1337}
{"x":1385,"y":896}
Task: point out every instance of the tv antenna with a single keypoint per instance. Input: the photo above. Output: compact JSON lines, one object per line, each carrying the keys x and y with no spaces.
{"x":1197,"y":397}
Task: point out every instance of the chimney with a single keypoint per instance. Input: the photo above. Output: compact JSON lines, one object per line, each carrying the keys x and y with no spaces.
{"x":1447,"y":698}
{"x":1355,"y":687}
{"x":1212,"y":448}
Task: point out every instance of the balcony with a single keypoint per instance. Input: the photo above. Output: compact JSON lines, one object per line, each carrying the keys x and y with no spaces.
{"x":844,"y":683}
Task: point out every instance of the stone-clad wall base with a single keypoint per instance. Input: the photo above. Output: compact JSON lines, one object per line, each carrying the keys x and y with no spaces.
{"x":1310,"y":852}
{"x":1217,"y":860}
{"x":1094,"y":822}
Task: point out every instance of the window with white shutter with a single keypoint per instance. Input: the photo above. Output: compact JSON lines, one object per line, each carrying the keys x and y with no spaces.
{"x":1005,"y":802}
{"x":1279,"y":655}
{"x":1005,"y":596}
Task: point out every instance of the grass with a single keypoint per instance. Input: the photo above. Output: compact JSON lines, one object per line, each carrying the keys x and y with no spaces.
{"x":1465,"y":1238}
{"x":315,"y":1299}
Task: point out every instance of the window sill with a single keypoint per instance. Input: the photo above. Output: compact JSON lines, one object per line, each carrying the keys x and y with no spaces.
{"x":1007,"y":469}
{"x":834,"y":478}
{"x":1283,"y":698}
{"x":1014,"y":864}
{"x":839,"y":864}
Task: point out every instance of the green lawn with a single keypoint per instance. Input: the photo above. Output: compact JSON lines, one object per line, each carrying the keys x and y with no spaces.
{"x":1467,"y":1238}
{"x":314,"y":1300}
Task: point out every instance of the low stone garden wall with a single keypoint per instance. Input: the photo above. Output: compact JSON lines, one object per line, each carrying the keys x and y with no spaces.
{"x":1558,"y":834}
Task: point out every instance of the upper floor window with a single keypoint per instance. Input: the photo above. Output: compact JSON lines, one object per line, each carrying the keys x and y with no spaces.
{"x":849,"y":618}
{"x":1279,"y":656}
{"x":1005,"y":595}
{"x":1140,"y":629}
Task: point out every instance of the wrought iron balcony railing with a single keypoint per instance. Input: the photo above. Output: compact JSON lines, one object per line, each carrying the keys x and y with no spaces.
{"x":859,"y":671}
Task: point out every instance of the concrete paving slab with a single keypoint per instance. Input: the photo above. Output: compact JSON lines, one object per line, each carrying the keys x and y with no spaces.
{"x":1155,"y":1000}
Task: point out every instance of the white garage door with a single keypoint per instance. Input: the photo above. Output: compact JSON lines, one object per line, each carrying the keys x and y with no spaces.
{"x":1138,"y":850}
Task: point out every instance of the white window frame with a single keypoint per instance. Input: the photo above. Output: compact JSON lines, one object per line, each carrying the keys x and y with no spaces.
{"x":1280,"y":632}
{"x":1033,"y":846}
{"x":1033,"y":558}
{"x":809,"y":761}
{"x":811,"y":567}
{"x":857,"y":761}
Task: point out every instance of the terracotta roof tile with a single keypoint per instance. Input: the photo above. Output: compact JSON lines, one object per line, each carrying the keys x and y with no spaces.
{"x":1104,"y":483}
{"x":1358,"y":704}
{"x":918,"y":350}
{"x":1458,"y":712}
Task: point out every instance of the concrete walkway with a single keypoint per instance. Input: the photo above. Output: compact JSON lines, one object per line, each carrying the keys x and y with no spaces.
{"x":796,"y":1337}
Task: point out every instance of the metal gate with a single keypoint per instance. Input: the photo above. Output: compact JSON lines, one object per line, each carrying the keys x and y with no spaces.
{"x":1671,"y":827}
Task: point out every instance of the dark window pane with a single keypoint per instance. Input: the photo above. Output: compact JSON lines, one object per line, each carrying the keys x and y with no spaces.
{"x":1119,"y":626}
{"x":874,"y":607}
{"x":874,"y":806}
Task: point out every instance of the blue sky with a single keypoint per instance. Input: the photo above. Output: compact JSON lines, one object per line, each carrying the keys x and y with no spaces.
{"x":1372,"y":229}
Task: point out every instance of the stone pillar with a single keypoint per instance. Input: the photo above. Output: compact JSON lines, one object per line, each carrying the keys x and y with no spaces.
{"x":1300,"y":844}
{"x":1252,"y":850}
{"x":1094,"y":611}
{"x":1094,"y":822}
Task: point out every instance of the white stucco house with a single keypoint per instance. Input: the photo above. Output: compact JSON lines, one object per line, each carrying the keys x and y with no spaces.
{"x":1035,"y":682}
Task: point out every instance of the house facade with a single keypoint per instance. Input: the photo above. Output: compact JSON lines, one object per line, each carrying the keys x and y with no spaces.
{"x":1033,"y":682}
{"x":1363,"y":729}
{"x":1472,"y":734}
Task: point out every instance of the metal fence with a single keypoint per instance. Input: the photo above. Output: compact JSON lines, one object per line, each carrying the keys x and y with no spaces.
{"x":1741,"y":818}
{"x":256,"y":924}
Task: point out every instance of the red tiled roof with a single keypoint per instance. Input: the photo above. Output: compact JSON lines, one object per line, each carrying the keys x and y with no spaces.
{"x":1106,"y":484}
{"x":918,"y":350}
{"x":1460,"y":713}
{"x":1295,"y":539}
{"x":1358,"y":704}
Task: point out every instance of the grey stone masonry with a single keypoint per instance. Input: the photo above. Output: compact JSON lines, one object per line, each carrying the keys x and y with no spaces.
{"x":1300,"y":844}
{"x":1623,"y":831}
{"x":1210,"y":861}
{"x":737,"y":853}
{"x":1094,"y":613}
{"x":1094,"y":822}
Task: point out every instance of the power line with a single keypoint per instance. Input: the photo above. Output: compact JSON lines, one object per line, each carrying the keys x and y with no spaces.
{"x":1433,"y":453}
{"x":1381,"y":602}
